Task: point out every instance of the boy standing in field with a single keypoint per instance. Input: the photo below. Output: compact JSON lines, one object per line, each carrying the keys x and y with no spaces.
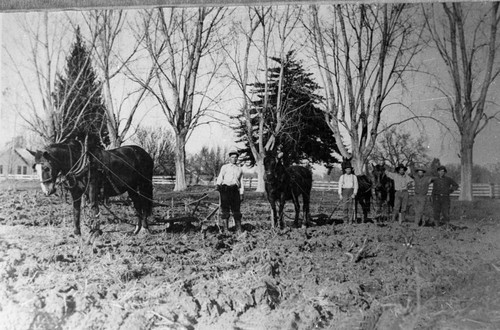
{"x":230,"y":186}
{"x":402,"y":182}
{"x":422,"y":183}
{"x":443,"y":186}
{"x":348,"y":188}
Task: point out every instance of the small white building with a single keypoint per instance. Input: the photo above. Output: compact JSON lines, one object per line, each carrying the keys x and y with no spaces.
{"x":16,"y":163}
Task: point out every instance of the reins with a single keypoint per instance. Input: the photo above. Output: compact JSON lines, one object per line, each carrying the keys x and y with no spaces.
{"x":119,"y":178}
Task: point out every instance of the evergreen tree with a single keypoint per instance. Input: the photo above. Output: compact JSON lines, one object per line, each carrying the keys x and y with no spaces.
{"x":78,"y":98}
{"x":305,"y":133}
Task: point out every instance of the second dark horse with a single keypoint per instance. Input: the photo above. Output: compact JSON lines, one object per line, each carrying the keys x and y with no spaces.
{"x":384,"y":192}
{"x":98,"y":174}
{"x":287,"y":183}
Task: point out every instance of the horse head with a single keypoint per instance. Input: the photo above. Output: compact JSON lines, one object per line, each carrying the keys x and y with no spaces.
{"x":54,"y":161}
{"x":48,"y":169}
{"x":378,"y":174}
{"x":273,"y":168}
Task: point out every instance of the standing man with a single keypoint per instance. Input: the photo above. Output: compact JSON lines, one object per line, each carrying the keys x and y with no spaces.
{"x":402,"y":183}
{"x":348,"y":188}
{"x":422,"y":183}
{"x":230,"y":186}
{"x":443,"y":186}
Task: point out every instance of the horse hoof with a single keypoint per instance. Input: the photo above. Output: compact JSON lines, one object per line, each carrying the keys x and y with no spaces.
{"x":137,"y":230}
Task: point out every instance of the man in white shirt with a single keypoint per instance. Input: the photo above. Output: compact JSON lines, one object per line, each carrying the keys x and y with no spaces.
{"x":230,"y":186}
{"x":348,"y":188}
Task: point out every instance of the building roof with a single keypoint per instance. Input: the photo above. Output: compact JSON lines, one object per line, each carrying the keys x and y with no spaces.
{"x":26,"y":156}
{"x":21,"y":153}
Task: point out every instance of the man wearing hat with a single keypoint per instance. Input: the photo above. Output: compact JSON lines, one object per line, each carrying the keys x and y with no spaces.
{"x":230,"y":186}
{"x":348,"y":188}
{"x":402,"y":182}
{"x":443,"y":186}
{"x":422,"y":183}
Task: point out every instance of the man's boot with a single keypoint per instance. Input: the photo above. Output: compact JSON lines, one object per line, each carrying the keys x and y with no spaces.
{"x":394,"y":216}
{"x":225,"y":224}
{"x":401,"y":217}
{"x":237,"y":223}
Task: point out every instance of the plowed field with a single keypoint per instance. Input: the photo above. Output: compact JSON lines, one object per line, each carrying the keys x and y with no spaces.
{"x":330,"y":276}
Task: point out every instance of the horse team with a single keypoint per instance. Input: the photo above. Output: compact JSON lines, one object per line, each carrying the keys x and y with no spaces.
{"x":98,"y":174}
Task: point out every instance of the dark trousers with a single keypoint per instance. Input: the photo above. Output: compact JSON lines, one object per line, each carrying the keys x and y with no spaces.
{"x":348,"y":201}
{"x":441,"y":206}
{"x":230,"y":202}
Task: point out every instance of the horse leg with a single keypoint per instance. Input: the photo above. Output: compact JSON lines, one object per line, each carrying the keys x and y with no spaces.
{"x":296,"y":205}
{"x":280,"y":212}
{"x":307,"y":215}
{"x":366,"y":208}
{"x":146,"y":191}
{"x":274,"y":219}
{"x":94,"y":206}
{"x":137,"y":205}
{"x":77,"y":204}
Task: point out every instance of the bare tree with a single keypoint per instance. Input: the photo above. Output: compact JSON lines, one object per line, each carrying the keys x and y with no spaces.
{"x":108,"y":28}
{"x":179,"y":42}
{"x":208,"y":161}
{"x":48,"y":104}
{"x":465,"y":35}
{"x":396,"y":146}
{"x":362,"y":55}
{"x":159,"y":143}
{"x":264,"y":32}
{"x":238,"y":67}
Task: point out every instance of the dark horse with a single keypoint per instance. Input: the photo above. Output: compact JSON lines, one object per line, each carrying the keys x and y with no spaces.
{"x":384,"y":192}
{"x":284,"y":184}
{"x":364,"y":195}
{"x":98,"y":174}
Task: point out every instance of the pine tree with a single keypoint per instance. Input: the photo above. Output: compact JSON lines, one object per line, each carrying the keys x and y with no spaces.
{"x":305,"y":134}
{"x":78,"y":98}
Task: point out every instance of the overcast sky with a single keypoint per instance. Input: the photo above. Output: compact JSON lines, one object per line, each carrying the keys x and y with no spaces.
{"x":421,"y":98}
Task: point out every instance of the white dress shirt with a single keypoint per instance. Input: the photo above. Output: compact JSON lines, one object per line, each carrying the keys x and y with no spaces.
{"x":231,"y":174}
{"x":348,"y":181}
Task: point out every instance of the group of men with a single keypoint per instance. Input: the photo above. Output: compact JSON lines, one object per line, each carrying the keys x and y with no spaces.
{"x":231,"y":189}
{"x":443,"y":186}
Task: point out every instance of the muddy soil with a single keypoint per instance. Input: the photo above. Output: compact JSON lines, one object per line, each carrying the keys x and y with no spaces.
{"x":328,"y":276}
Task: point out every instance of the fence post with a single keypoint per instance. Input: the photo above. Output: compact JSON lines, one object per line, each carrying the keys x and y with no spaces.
{"x":492,"y":190}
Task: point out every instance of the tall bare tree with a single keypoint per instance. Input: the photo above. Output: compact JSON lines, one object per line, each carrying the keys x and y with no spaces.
{"x":465,"y":36}
{"x":179,"y":42}
{"x":108,"y":29}
{"x":47,"y":36}
{"x":159,"y":143}
{"x":396,"y":146}
{"x":45,"y":59}
{"x":264,"y":32}
{"x":362,"y":53}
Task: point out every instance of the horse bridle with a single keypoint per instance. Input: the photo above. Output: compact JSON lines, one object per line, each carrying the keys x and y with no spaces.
{"x":77,"y":169}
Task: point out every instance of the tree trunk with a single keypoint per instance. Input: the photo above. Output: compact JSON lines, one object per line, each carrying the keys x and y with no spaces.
{"x":357,"y":162}
{"x":114,"y":136}
{"x":180,"y":163}
{"x":466,"y":145}
{"x":260,"y":176}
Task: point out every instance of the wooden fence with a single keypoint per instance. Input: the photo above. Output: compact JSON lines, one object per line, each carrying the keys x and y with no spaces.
{"x":478,"y":189}
{"x":26,"y":177}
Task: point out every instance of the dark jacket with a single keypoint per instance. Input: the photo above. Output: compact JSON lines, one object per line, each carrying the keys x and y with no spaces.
{"x":443,"y":186}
